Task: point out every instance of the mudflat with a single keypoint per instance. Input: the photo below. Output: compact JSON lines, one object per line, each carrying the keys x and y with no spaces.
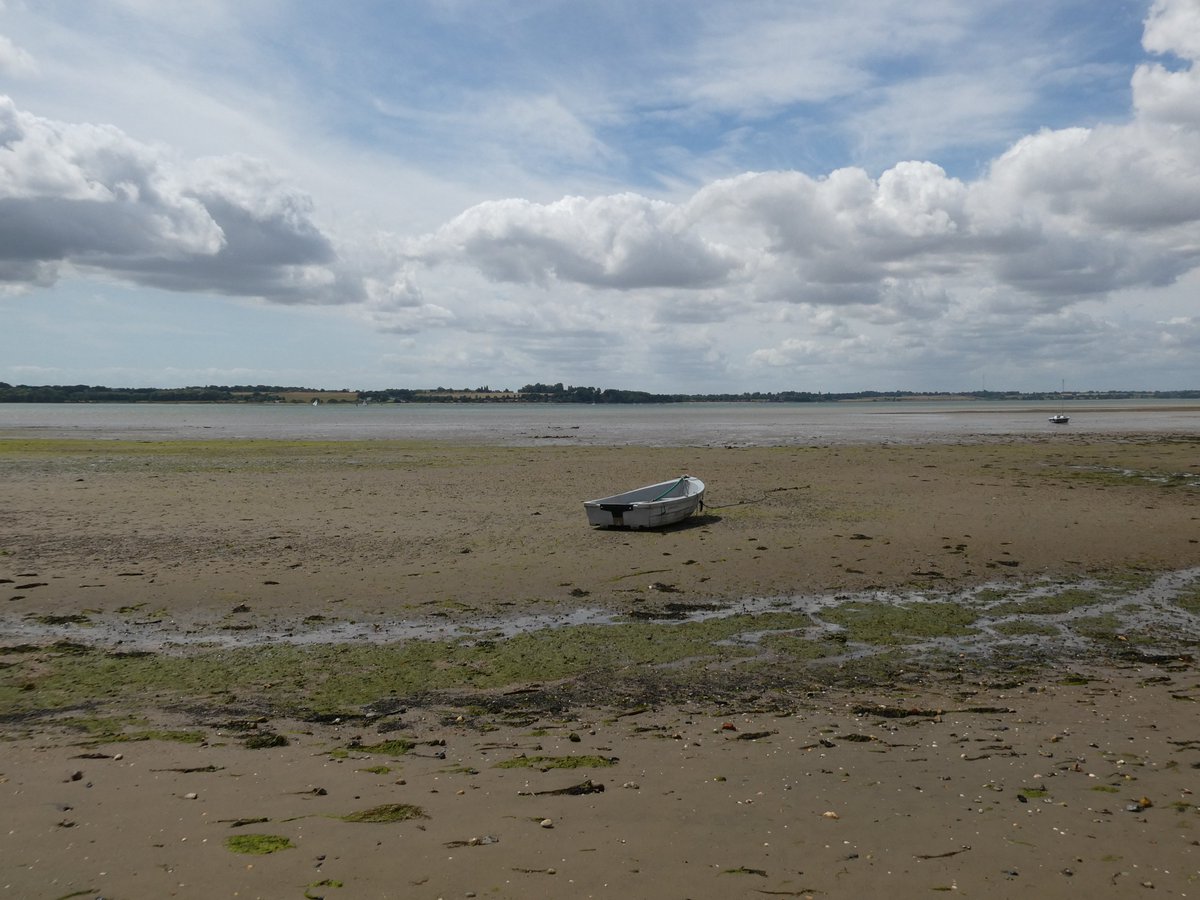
{"x":281,"y":669}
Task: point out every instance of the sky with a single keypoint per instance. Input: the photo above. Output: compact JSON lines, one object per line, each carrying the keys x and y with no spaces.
{"x":687,"y":196}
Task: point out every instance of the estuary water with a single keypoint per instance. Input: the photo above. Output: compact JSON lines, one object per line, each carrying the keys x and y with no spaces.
{"x":648,"y":425}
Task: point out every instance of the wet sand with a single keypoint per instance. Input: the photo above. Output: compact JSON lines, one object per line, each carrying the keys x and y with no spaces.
{"x":380,"y":529}
{"x":726,"y":771}
{"x":1046,"y":790}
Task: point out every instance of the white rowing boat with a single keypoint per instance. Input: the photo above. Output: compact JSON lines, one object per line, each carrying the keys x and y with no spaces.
{"x":652,"y":506}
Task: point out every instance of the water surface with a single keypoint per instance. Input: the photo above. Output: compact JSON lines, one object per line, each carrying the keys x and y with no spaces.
{"x":651,"y":425}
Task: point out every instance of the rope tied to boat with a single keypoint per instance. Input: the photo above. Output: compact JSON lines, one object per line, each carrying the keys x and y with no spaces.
{"x":755,"y":500}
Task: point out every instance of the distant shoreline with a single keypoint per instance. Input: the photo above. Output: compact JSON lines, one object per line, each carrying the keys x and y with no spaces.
{"x":530,"y":394}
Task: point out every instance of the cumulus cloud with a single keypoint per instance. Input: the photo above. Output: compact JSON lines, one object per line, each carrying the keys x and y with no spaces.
{"x":395,"y":304}
{"x":1061,"y":216}
{"x":1160,"y":94}
{"x":1173,"y":26}
{"x":623,"y":241}
{"x":91,"y":197}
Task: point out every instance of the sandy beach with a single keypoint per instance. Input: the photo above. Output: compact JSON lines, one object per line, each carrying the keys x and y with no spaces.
{"x":383,"y":669}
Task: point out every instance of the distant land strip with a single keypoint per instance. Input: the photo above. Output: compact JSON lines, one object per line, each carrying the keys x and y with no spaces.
{"x":530,"y":393}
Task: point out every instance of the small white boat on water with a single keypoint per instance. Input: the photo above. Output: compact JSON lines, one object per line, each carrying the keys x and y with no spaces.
{"x":652,"y":506}
{"x":1060,"y":417}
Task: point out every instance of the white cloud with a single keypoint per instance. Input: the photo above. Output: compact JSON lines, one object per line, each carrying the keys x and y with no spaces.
{"x":14,"y":61}
{"x":1160,"y":94}
{"x":77,"y":192}
{"x":92,"y":197}
{"x":1173,"y":26}
{"x":623,"y":241}
{"x":1062,"y":215}
{"x":1180,"y":336}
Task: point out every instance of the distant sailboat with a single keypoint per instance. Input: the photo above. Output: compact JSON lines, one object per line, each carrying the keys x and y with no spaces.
{"x":316,"y":403}
{"x":1060,"y":417}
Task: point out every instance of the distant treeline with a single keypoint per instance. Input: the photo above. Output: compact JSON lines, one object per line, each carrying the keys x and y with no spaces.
{"x":530,"y":393}
{"x":87,"y":393}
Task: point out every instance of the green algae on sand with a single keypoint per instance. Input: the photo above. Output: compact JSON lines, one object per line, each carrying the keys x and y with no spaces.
{"x":258,"y":844}
{"x":546,"y":763}
{"x":394,"y":747}
{"x":338,"y":678}
{"x":853,"y":638}
{"x":387,"y":812}
{"x":890,"y":623}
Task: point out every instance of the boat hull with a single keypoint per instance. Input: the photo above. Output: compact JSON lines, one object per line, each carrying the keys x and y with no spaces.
{"x":652,"y":506}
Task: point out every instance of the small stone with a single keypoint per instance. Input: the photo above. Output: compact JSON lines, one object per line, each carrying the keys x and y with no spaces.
{"x":190,"y":795}
{"x":830,"y":814}
{"x":547,"y":823}
{"x":631,"y":785}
